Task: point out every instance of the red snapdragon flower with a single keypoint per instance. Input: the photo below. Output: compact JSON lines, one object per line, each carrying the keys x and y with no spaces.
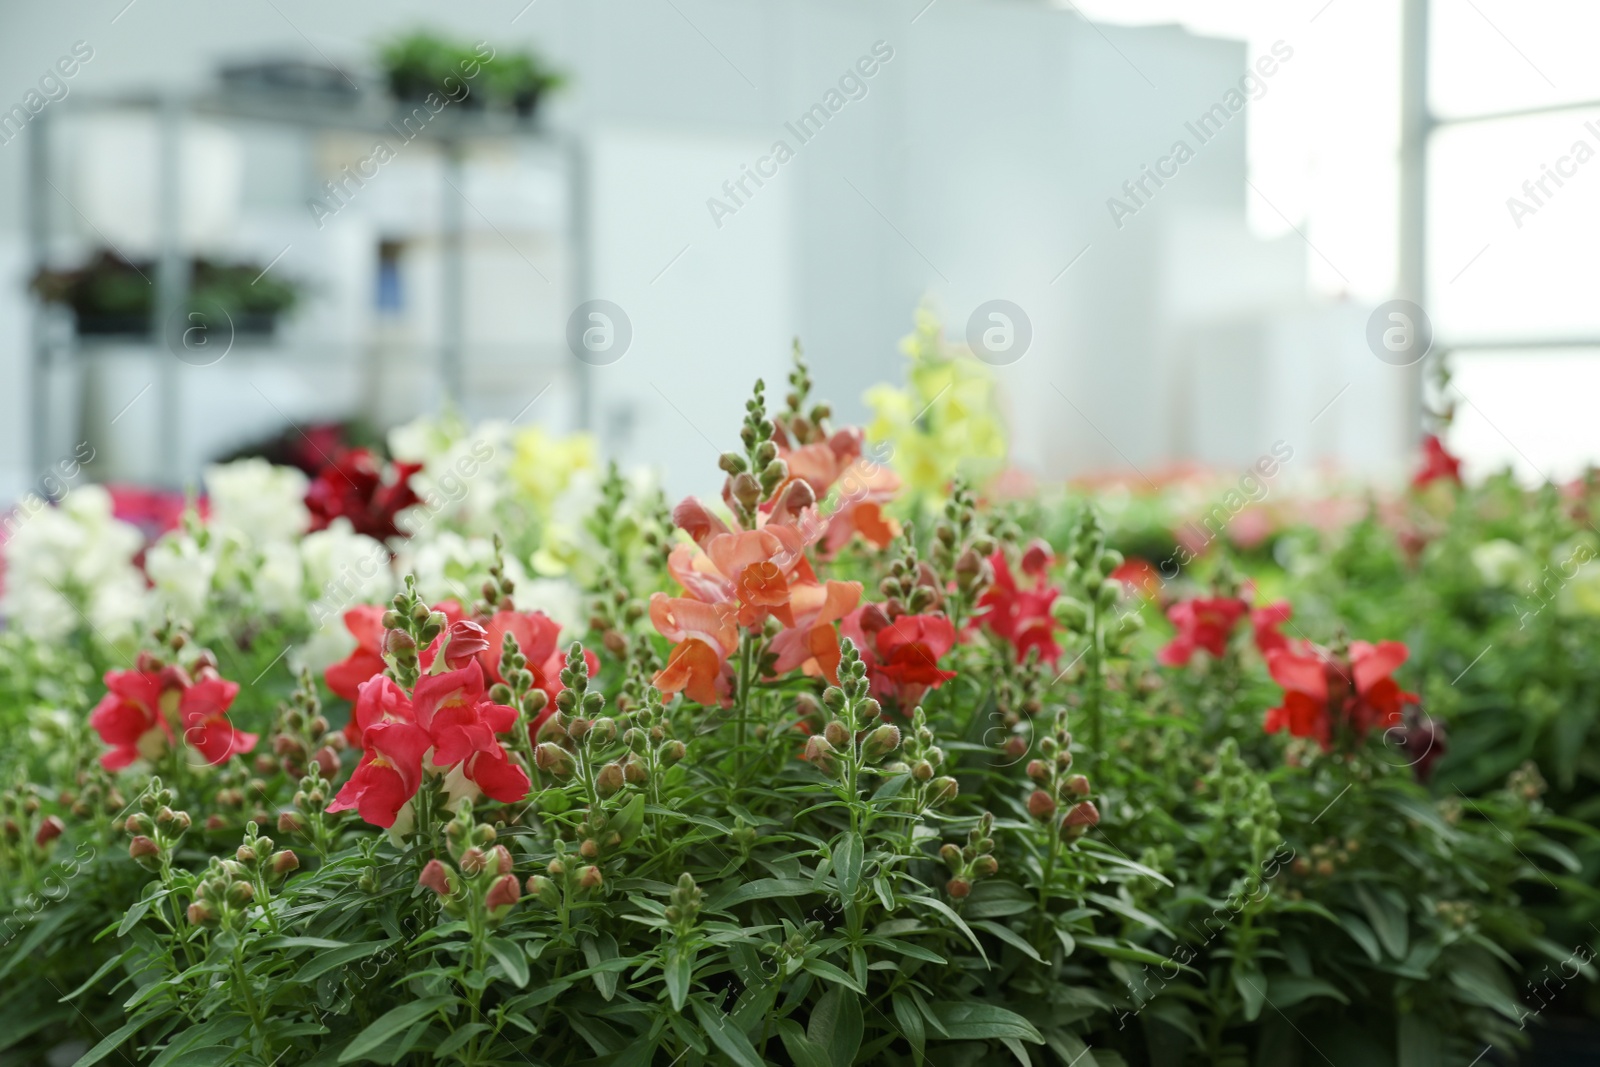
{"x":902,"y":655}
{"x":365,"y":622}
{"x":355,"y":486}
{"x":1139,"y":576}
{"x":150,"y":709}
{"x":1202,"y":623}
{"x":1265,"y":622}
{"x":1437,"y":463}
{"x":538,"y":638}
{"x":1022,"y":616}
{"x":390,"y":771}
{"x":1324,"y":694}
{"x":449,"y":714}
{"x":462,"y":721}
{"x":812,"y":643}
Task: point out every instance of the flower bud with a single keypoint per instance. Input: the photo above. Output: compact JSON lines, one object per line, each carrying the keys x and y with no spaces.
{"x":984,"y":866}
{"x":542,"y":888}
{"x":139,"y":823}
{"x":590,"y":877}
{"x":504,"y":893}
{"x":673,"y":751}
{"x":1038,"y":770}
{"x":473,"y":862}
{"x":819,"y":753}
{"x":609,"y":780}
{"x":1078,"y":784}
{"x":284,"y":861}
{"x":1041,"y":805}
{"x":959,"y":888}
{"x":1082,"y":816}
{"x":145,"y":851}
{"x":245,"y":855}
{"x":1016,"y":746}
{"x":290,"y":823}
{"x":241,"y":894}
{"x":943,"y":789}
{"x":553,"y":759}
{"x":882,"y":741}
{"x":437,"y":877}
{"x":50,"y":829}
{"x":951,"y":854}
{"x":202,"y":914}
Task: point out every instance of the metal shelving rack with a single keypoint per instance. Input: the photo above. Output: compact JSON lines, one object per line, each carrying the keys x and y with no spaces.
{"x":451,"y":131}
{"x":1419,"y":124}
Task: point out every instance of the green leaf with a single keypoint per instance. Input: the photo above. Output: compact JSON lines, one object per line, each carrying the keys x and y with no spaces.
{"x":976,"y":1021}
{"x":847,"y":855}
{"x":630,"y":820}
{"x":1287,"y":990}
{"x":910,"y":1020}
{"x":598,"y":952}
{"x":802,"y":1050}
{"x":829,"y":973}
{"x":728,"y":1039}
{"x":391,"y":1023}
{"x":99,"y":973}
{"x":459,"y":1038}
{"x":836,"y":1025}
{"x":110,"y":1042}
{"x":679,"y":973}
{"x":512,"y":960}
{"x":1361,"y":934}
{"x":761,"y":889}
{"x":1386,"y":911}
{"x":997,"y":900}
{"x":1010,"y":937}
{"x":1252,"y":987}
{"x":944,"y":909}
{"x":327,"y":961}
{"x":1419,"y":1043}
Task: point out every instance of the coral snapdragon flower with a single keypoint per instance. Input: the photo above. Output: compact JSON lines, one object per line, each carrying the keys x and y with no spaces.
{"x":1022,"y":616}
{"x":704,"y":636}
{"x":148,"y":710}
{"x":1323,"y":695}
{"x":812,"y":643}
{"x":1437,"y":463}
{"x":354,"y":486}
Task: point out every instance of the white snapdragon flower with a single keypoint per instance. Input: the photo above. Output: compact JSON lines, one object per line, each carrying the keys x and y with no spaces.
{"x":341,"y":568}
{"x":450,"y":566}
{"x":259,"y":499}
{"x":72,"y":564}
{"x":182,"y":572}
{"x":464,"y":477}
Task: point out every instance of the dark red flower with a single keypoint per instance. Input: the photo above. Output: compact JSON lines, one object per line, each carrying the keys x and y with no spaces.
{"x":1324,"y":695}
{"x":1437,"y":463}
{"x":355,"y":486}
{"x":1202,"y":623}
{"x":1022,"y":616}
{"x":148,"y":710}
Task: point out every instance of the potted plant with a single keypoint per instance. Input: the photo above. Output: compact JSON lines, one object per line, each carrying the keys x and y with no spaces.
{"x":111,"y":296}
{"x":521,"y":79}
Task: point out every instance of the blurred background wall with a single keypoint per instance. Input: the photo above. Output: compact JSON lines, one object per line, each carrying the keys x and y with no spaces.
{"x":997,"y":151}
